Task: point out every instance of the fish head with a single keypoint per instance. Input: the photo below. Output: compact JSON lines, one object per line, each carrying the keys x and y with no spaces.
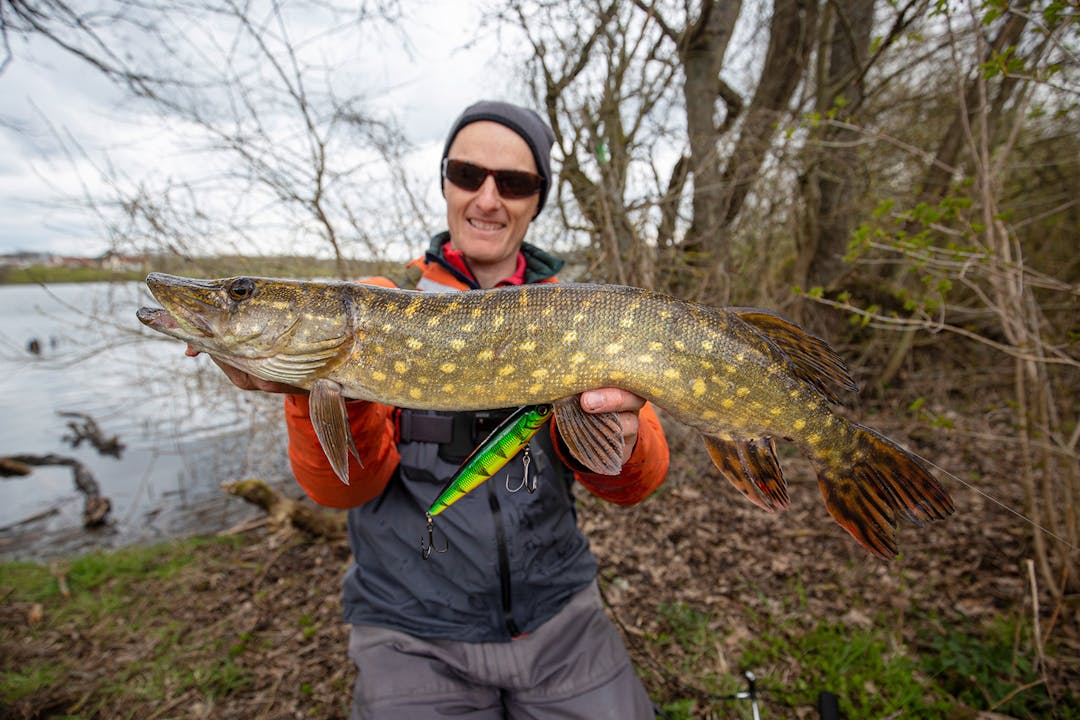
{"x":275,"y":329}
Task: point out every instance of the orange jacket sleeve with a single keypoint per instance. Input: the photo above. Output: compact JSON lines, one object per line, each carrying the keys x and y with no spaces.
{"x":642,"y":474}
{"x":373,"y":430}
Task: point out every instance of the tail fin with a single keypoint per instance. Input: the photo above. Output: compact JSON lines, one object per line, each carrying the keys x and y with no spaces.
{"x":872,"y":483}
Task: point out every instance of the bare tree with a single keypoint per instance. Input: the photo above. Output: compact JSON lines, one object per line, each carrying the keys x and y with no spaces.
{"x":257,"y":85}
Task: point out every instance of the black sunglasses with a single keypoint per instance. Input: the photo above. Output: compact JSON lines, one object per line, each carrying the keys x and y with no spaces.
{"x":511,"y":184}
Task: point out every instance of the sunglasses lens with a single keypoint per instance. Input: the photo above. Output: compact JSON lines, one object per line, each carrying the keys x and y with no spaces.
{"x":465,"y":175}
{"x":511,"y":184}
{"x":514,"y":184}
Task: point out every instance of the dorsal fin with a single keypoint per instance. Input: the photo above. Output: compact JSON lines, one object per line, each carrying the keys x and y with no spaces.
{"x":812,"y":360}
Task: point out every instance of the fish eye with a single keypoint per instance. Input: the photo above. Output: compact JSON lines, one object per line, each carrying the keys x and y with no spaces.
{"x":241,"y":289}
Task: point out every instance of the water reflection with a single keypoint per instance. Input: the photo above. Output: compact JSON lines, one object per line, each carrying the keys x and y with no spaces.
{"x":184,"y":427}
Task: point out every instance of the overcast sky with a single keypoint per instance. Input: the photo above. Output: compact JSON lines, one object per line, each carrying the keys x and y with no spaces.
{"x":45,"y":93}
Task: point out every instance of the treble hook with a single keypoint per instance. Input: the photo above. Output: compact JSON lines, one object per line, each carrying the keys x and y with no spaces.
{"x":425,"y":549}
{"x":526,"y":482}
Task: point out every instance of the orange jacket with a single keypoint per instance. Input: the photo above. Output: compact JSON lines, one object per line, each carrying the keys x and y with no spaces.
{"x":374,"y":431}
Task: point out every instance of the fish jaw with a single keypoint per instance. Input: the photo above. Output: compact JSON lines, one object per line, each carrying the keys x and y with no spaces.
{"x":253,"y":324}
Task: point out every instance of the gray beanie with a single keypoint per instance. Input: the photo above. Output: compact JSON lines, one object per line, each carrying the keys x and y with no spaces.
{"x":525,"y":122}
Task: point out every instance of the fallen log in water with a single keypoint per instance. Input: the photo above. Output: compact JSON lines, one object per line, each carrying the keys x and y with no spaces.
{"x":84,"y":427}
{"x":96,"y":507}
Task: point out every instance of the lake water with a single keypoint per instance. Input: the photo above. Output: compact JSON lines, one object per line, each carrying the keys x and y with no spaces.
{"x":185,"y":428}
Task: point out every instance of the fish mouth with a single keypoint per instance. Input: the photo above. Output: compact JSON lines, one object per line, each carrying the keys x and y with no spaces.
{"x":182,"y":315}
{"x":157,"y":318}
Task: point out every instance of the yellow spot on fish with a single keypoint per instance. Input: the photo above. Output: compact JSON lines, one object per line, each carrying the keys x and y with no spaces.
{"x":535,"y":388}
{"x":506,"y":370}
{"x":415,"y":394}
{"x":743,"y":391}
{"x":793,"y":394}
{"x":644,"y":358}
{"x":388,"y":327}
{"x":401,"y":367}
{"x":485,"y":354}
{"x":728,"y":403}
{"x":730,"y":369}
{"x":671,"y":373}
{"x":679,"y":345}
{"x":626,"y":322}
{"x":579,"y":317}
{"x":432,"y":322}
{"x":613,"y":348}
{"x":477,"y":312}
{"x":570,"y":337}
{"x":413,"y":343}
{"x":569,"y":379}
{"x":467,"y":327}
{"x":448,"y":367}
{"x":457,"y":344}
{"x":616,"y":375}
{"x":578,"y":357}
{"x":665,"y":314}
{"x":656,"y":346}
{"x":799,"y":424}
{"x":378,"y":375}
{"x":413,"y":306}
{"x":707,"y":345}
{"x":540,"y":373}
{"x":814,"y":439}
{"x":709,"y":414}
{"x":499,"y":320}
{"x":449,"y":388}
{"x":547,"y":311}
{"x":776,"y":412}
{"x":699,"y":387}
{"x":528,"y":345}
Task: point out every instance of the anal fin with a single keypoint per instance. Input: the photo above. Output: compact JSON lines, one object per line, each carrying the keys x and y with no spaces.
{"x":751,"y":466}
{"x":595,"y":440}
{"x":327,"y":407}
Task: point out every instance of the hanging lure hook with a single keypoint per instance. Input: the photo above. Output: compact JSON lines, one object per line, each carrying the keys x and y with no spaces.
{"x":426,"y":548}
{"x":526,"y":482}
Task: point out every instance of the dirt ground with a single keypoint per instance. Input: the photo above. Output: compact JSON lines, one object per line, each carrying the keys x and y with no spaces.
{"x":270,"y":603}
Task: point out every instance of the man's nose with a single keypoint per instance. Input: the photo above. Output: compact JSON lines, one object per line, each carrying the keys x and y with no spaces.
{"x":488,"y":195}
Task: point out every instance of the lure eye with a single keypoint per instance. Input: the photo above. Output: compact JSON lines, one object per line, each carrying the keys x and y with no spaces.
{"x":241,"y":289}
{"x":543,"y":410}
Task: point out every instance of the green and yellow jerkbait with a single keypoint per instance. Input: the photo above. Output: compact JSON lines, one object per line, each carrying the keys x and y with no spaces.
{"x":507,"y":440}
{"x":740,"y":376}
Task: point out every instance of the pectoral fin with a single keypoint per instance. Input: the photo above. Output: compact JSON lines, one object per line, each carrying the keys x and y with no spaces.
{"x":331,"y":423}
{"x":752,"y":467}
{"x":596,"y":441}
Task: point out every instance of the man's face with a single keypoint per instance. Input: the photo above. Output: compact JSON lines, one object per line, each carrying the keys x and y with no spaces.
{"x":486,"y":227}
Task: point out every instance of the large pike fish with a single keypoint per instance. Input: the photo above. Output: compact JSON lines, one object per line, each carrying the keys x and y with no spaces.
{"x":739,"y":376}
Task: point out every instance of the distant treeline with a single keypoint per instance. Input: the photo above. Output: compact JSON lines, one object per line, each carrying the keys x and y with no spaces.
{"x":222,"y":266}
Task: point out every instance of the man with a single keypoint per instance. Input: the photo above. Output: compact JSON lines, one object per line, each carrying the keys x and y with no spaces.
{"x":508,"y":622}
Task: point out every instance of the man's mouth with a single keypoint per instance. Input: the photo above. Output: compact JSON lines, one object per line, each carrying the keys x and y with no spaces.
{"x":485,"y":226}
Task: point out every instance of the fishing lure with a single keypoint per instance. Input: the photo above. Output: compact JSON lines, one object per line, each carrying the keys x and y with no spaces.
{"x":507,"y":440}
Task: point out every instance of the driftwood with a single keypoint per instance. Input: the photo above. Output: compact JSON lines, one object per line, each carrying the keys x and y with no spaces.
{"x":95,"y":508}
{"x":285,"y":512}
{"x":84,"y":427}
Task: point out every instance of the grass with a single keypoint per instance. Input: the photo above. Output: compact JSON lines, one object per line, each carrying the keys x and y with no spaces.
{"x":237,"y":624}
{"x":119,"y":599}
{"x":943,"y":670}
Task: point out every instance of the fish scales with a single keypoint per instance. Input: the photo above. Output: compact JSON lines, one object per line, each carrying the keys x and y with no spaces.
{"x":477,"y":350}
{"x":742,"y":377}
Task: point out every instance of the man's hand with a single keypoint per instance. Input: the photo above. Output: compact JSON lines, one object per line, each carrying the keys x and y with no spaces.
{"x":617,"y":400}
{"x":246,"y":381}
